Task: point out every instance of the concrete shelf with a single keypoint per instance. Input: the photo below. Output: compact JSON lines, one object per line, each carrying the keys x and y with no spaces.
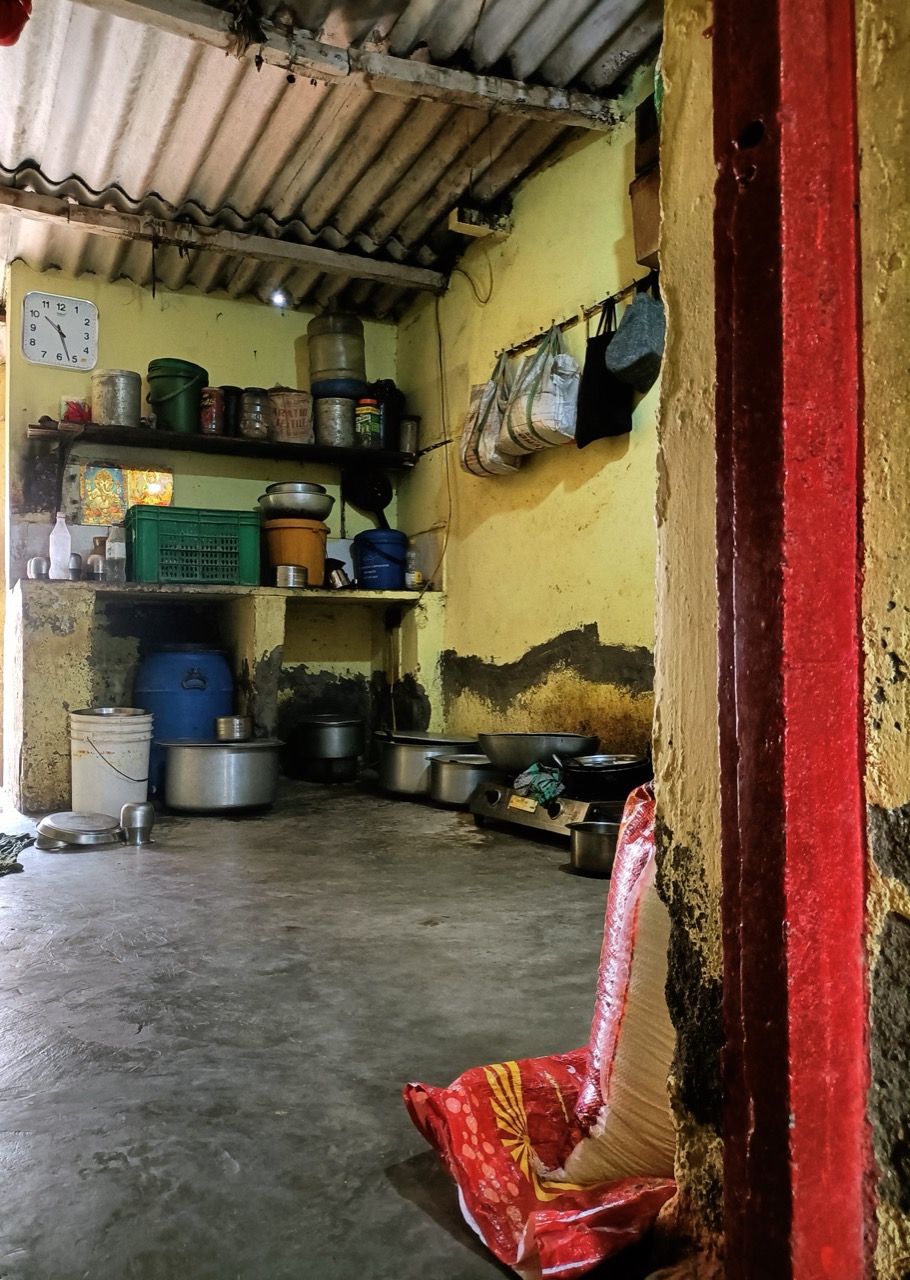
{"x":219,"y":591}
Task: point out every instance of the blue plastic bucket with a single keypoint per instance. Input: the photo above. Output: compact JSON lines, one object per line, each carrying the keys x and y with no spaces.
{"x":186,"y":688}
{"x":379,"y":559}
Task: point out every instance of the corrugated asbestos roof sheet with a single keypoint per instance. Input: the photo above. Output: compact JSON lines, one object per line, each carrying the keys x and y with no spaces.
{"x":114,"y":113}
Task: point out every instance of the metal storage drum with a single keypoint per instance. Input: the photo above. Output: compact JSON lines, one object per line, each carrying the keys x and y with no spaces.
{"x":186,"y":687}
{"x":337,"y":359}
{"x":116,"y":397}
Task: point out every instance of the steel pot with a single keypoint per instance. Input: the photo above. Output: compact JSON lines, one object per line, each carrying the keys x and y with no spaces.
{"x":211,"y":776}
{"x":515,"y":752}
{"x":453,"y":779}
{"x":593,"y":847}
{"x":329,"y":737}
{"x":404,"y":767}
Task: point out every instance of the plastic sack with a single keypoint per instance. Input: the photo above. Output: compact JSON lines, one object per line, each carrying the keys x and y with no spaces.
{"x":528,"y":1142}
{"x":636,"y":352}
{"x":543,"y":401}
{"x":479,"y":454}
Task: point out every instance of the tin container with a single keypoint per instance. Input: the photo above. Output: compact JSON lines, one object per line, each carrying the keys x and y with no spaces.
{"x":255,"y":414}
{"x":116,"y":397}
{"x":335,"y":422}
{"x":211,"y":417}
{"x":292,"y":416}
{"x":409,"y":434}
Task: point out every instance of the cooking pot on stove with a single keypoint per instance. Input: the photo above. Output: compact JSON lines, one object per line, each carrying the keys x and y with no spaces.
{"x":605,"y":777}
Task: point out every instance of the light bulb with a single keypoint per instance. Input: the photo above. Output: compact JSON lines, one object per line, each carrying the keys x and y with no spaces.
{"x":279,"y":298}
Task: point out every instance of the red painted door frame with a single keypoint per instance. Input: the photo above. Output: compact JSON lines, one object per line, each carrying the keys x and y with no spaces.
{"x":789,"y":413}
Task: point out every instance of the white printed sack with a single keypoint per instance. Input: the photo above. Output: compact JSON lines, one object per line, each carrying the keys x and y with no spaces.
{"x":543,"y":401}
{"x":482,"y":425}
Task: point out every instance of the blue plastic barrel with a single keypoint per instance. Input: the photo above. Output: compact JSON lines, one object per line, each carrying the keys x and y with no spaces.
{"x":379,"y":559}
{"x":186,"y":687}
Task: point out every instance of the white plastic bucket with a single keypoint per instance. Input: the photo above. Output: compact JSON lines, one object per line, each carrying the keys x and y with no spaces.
{"x":109,"y":752}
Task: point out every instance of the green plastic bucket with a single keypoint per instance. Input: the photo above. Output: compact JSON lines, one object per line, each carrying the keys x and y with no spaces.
{"x":175,"y":393}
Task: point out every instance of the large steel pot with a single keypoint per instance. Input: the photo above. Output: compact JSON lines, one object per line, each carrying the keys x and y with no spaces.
{"x":404,"y":766}
{"x":453,"y":779}
{"x":211,"y":776}
{"x":515,"y":752}
{"x":324,"y":748}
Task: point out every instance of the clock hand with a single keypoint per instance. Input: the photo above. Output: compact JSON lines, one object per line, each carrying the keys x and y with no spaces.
{"x":60,"y":334}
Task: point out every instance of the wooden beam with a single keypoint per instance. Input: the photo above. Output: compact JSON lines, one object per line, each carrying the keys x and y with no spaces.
{"x":143,"y":227}
{"x":401,"y":77}
{"x":406,"y":79}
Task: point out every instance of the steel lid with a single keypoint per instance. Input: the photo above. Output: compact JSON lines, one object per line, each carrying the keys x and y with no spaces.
{"x":228,"y":744}
{"x":606,"y":761}
{"x":80,"y":828}
{"x":424,"y":738}
{"x":473,"y":762}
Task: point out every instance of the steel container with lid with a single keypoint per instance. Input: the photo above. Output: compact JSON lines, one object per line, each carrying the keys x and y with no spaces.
{"x":116,"y":397}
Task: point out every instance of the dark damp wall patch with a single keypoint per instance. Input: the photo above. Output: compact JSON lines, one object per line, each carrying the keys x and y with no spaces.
{"x":889,"y":840}
{"x":890,"y":1027}
{"x":303,"y":691}
{"x":629,"y":668}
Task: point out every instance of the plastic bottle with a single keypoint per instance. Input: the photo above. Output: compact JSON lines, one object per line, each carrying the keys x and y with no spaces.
{"x":59,"y":549}
{"x":413,"y":573}
{"x":115,"y":556}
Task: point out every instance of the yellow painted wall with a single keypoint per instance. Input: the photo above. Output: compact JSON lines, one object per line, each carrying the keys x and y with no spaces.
{"x":569,"y":541}
{"x":239,"y":342}
{"x":883,"y":41}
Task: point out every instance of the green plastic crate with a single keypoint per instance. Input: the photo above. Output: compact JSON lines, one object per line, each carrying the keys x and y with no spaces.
{"x":184,"y":544}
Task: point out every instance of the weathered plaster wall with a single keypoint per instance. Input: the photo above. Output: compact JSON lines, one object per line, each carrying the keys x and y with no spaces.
{"x":884,"y":123}
{"x":548,"y":573}
{"x":685,"y":726}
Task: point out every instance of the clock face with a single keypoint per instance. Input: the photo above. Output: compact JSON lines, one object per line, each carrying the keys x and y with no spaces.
{"x":60,"y":332}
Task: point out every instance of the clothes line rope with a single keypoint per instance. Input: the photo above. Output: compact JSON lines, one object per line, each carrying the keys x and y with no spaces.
{"x":584,"y":313}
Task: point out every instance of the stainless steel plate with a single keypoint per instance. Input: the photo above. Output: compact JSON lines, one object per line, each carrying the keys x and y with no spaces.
{"x":80,"y":828}
{"x":49,"y":846}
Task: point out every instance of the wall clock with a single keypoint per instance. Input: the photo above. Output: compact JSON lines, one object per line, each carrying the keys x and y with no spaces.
{"x":60,"y":332}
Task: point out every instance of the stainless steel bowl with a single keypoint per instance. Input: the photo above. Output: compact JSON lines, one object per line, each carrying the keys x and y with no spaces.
{"x":295,"y":486}
{"x":307,"y":506}
{"x":233,"y":728}
{"x":515,"y":752}
{"x":593,"y":847}
{"x":453,"y":779}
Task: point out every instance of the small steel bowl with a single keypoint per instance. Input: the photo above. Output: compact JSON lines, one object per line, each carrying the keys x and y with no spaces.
{"x":233,"y":728}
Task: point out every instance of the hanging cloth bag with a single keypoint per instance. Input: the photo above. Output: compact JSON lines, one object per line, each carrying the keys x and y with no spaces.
{"x":636,"y":352}
{"x":479,"y":454}
{"x":604,"y":401}
{"x":541,"y":408}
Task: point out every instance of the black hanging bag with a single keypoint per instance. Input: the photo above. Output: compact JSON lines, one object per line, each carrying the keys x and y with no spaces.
{"x":604,"y":401}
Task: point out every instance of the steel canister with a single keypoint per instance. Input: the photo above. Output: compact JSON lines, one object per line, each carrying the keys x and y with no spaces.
{"x":335,"y":422}
{"x":116,"y":397}
{"x":255,"y":414}
{"x":211,"y":417}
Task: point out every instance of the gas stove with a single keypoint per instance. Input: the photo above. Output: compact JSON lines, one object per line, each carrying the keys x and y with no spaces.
{"x":495,"y":802}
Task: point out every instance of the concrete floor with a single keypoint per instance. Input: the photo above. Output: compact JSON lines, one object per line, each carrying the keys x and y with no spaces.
{"x":203,"y":1042}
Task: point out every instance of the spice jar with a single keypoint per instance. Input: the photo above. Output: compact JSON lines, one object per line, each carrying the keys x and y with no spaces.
{"x":211,"y":418}
{"x":255,"y":414}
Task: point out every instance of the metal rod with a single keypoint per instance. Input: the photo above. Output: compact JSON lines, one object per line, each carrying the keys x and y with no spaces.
{"x":584,"y":313}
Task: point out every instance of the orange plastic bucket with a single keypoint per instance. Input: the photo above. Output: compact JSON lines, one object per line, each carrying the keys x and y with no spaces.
{"x":298,"y":542}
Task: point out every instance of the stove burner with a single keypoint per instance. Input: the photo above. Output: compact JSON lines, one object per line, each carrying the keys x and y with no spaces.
{"x":494,"y":803}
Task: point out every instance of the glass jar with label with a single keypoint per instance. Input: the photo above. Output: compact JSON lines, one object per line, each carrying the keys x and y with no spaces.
{"x":367,"y":424}
{"x":255,"y":414}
